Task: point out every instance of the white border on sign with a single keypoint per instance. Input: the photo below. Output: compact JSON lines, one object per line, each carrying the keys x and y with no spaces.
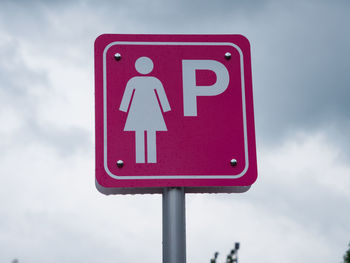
{"x":173,"y":176}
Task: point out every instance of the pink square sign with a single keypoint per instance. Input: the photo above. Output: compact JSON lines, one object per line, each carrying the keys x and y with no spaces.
{"x":174,"y":111}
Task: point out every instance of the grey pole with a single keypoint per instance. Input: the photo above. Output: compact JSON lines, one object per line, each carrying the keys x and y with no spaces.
{"x":174,"y":229}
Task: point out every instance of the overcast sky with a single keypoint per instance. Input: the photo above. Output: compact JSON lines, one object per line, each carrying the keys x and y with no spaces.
{"x":297,"y":211}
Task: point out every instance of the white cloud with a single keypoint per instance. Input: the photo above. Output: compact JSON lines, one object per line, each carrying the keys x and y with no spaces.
{"x":296,"y":212}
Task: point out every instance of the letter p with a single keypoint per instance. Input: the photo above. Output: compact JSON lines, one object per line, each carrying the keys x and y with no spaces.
{"x":190,"y":89}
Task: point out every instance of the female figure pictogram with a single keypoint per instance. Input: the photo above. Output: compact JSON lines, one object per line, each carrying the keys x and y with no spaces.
{"x":145,"y":113}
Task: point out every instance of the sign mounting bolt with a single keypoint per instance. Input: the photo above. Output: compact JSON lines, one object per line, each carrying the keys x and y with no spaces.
{"x":120,"y":163}
{"x":117,"y":56}
{"x":227,"y":55}
{"x":233,"y":162}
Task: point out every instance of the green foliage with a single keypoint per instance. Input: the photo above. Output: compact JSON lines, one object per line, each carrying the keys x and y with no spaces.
{"x":347,"y":255}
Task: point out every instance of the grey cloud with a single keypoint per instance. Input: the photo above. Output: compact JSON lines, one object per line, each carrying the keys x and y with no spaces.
{"x":300,"y":70}
{"x":66,"y":142}
{"x":19,"y":86}
{"x":219,"y":8}
{"x":299,"y":49}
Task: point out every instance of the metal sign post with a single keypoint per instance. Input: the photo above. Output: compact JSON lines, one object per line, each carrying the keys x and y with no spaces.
{"x":174,"y":225}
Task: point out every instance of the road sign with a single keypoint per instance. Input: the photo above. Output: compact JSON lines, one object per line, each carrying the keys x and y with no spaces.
{"x":174,"y":111}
